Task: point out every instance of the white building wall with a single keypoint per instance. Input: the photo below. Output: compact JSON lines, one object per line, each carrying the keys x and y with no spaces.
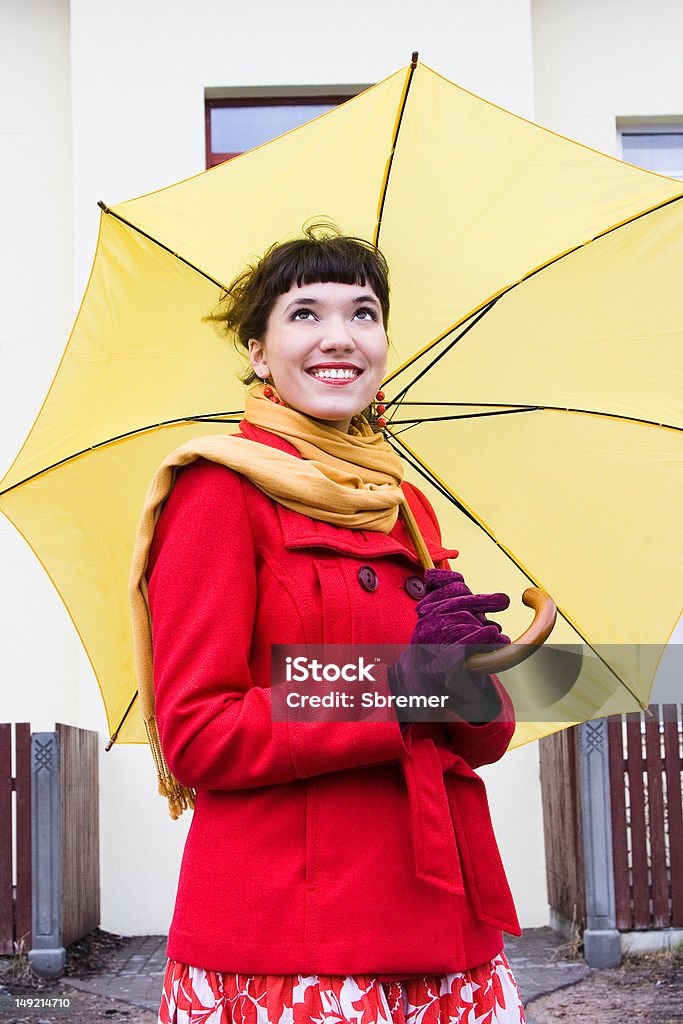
{"x":597,"y":64}
{"x":140,"y":70}
{"x":40,"y":649}
{"x":118,"y":110}
{"x":599,"y":60}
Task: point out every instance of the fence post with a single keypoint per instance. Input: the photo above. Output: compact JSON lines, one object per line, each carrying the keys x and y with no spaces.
{"x":47,"y":956}
{"x":602,"y":943}
{"x":6,"y":901}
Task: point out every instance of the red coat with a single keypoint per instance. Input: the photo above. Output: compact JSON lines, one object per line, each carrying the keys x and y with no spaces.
{"x":315,"y":847}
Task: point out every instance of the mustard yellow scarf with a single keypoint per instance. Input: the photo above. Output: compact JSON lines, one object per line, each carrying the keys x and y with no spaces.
{"x":350,"y":480}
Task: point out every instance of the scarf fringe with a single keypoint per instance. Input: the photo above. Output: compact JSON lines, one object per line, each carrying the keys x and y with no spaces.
{"x":180,"y":798}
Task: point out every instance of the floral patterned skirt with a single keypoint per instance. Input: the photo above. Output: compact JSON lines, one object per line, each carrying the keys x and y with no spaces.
{"x":486,"y":994}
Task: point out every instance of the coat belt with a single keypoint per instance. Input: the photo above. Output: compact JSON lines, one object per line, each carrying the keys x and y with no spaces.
{"x":453,"y":840}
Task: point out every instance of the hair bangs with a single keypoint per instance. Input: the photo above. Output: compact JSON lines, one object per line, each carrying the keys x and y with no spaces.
{"x":320,"y":263}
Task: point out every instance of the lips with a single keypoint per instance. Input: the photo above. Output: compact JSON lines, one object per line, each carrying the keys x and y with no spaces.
{"x":334,"y":373}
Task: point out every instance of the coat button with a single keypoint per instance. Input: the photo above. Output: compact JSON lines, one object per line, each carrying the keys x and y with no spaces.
{"x":415,"y":587}
{"x":368,"y":578}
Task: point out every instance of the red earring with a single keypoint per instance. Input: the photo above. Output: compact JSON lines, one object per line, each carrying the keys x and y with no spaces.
{"x":381,"y":408}
{"x":270,"y":394}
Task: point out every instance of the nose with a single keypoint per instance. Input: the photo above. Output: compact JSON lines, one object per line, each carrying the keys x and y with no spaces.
{"x":338,"y":336}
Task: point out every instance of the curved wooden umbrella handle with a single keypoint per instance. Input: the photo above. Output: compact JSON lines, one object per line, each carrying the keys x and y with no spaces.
{"x":521,"y":649}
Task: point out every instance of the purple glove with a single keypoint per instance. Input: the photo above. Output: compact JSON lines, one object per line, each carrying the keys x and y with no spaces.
{"x":448,"y":595}
{"x":451,"y":625}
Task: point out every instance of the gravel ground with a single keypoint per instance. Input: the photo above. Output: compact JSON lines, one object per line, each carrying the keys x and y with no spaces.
{"x":27,"y":999}
{"x":82,"y":1008}
{"x":644,"y":990}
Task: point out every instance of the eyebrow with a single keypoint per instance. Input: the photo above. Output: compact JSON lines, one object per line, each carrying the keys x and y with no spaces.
{"x":303,"y":301}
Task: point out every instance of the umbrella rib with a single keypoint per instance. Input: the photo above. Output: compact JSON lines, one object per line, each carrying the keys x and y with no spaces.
{"x":214,"y":417}
{"x":414,"y":460}
{"x":115,"y":735}
{"x":487,"y":304}
{"x":408,"y":456}
{"x":447,"y":349}
{"x":502,"y":405}
{"x":527,"y":408}
{"x":134,"y":227}
{"x":397,"y":128}
{"x":495,"y":411}
{"x":409,"y":423}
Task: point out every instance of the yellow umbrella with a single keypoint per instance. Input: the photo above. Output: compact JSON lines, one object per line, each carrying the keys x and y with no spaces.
{"x":537,"y":325}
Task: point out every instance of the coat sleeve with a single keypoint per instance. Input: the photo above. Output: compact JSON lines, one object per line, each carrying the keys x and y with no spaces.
{"x":215,"y":725}
{"x":476,"y":744}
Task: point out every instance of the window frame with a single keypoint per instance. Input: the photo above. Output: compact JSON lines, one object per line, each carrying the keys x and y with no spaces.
{"x":269,"y":96}
{"x":649,"y":125}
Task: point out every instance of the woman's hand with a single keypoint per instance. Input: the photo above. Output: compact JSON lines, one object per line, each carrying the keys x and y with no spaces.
{"x":451,"y":621}
{"x":448,"y":595}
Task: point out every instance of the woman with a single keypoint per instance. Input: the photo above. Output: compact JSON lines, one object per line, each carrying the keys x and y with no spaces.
{"x":340,"y":870}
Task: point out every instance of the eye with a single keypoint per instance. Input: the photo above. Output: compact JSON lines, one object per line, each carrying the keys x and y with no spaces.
{"x":303,"y":314}
{"x":366,"y":313}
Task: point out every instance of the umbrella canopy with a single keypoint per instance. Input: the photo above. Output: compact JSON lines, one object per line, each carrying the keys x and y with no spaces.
{"x":537,"y":321}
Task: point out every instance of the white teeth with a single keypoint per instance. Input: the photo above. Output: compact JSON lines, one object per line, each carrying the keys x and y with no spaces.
{"x":334,"y":374}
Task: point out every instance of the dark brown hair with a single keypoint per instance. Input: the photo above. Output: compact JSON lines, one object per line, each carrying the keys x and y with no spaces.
{"x":322,"y":254}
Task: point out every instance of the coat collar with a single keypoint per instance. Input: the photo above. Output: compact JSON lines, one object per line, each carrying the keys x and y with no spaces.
{"x":301,"y":531}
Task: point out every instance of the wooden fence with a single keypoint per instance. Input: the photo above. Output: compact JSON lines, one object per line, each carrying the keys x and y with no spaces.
{"x":80,"y":832}
{"x":647,"y":823}
{"x":49,"y":862}
{"x":562,"y":824}
{"x":646,"y":772}
{"x":15,"y":839}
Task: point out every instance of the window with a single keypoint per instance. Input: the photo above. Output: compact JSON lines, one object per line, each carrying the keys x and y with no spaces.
{"x":656,"y":147}
{"x":236,"y":123}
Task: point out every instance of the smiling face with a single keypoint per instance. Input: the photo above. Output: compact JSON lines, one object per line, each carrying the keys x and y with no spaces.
{"x":324,"y":349}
